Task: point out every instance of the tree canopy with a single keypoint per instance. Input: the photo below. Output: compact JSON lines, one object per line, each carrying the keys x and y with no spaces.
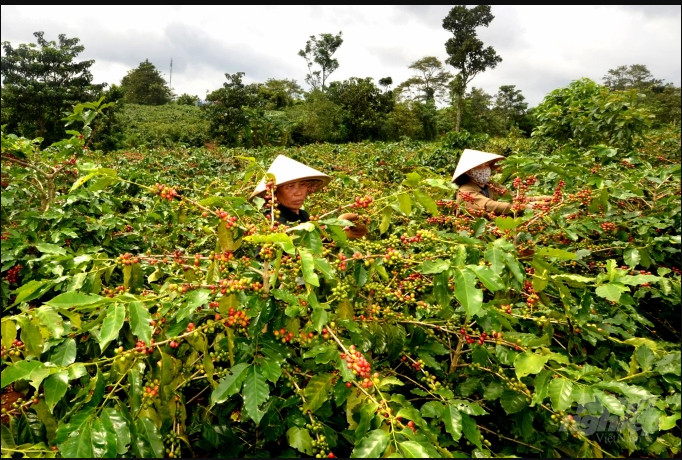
{"x":429,"y":83}
{"x":320,"y":51}
{"x":42,"y":81}
{"x":662,"y":99}
{"x":466,"y":51}
{"x":635,"y":76}
{"x":145,"y":85}
{"x":511,"y":104}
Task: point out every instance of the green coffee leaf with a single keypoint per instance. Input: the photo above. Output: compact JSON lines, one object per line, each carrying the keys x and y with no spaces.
{"x":308,"y":267}
{"x":230,"y":385}
{"x":372,"y":445}
{"x":317,"y":391}
{"x":470,"y":297}
{"x":140,"y":321}
{"x":529,"y":363}
{"x":299,"y":439}
{"x":453,"y":421}
{"x":55,"y":388}
{"x":255,"y":392}
{"x":560,"y":393}
{"x":112,"y":325}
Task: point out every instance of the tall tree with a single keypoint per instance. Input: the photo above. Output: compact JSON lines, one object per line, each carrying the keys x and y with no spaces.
{"x":364,"y":106}
{"x":430,"y":81}
{"x":229,"y":112}
{"x":662,"y":99}
{"x":280,"y":94}
{"x":145,"y":85}
{"x":40,"y":83}
{"x":511,"y":105}
{"x":477,"y":114}
{"x":466,"y":52}
{"x":187,"y":99}
{"x":320,"y":51}
{"x":635,"y":76}
{"x":386,"y":83}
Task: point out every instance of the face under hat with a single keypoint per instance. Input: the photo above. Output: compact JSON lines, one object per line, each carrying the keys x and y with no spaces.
{"x":287,"y":170}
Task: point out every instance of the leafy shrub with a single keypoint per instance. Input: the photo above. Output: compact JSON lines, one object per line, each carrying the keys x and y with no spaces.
{"x":585,"y":113}
{"x":166,"y":125}
{"x":150,"y":310}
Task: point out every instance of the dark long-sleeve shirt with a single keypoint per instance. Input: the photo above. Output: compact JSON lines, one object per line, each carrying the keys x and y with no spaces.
{"x":289,"y":217}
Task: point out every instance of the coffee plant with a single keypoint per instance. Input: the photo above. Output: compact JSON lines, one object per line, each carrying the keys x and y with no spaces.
{"x":151,"y":310}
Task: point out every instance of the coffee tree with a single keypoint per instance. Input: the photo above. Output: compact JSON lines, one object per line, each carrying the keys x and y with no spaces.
{"x":152,"y":311}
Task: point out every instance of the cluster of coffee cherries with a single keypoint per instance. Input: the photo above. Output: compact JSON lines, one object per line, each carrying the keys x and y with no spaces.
{"x":627,"y":164}
{"x":233,"y":285}
{"x":417,"y":364}
{"x":467,"y":197}
{"x":342,"y":289}
{"x":234,"y":318}
{"x":112,"y":292}
{"x":411,"y":239}
{"x":359,"y":366}
{"x":283,"y":335}
{"x":448,"y":204}
{"x":164,"y":191}
{"x":150,"y":392}
{"x":392,"y":256}
{"x":362,"y":201}
{"x":430,"y":380}
{"x":608,"y":226}
{"x":565,"y":420}
{"x":520,"y":184}
{"x":440,"y":220}
{"x":171,"y":440}
{"x":13,"y":274}
{"x":18,"y":404}
{"x":127,"y":259}
{"x":342,"y":262}
{"x":319,"y":443}
{"x":219,"y":356}
{"x":470,"y":340}
{"x":141,"y":347}
{"x":271,"y":197}
{"x":532,"y":300}
{"x":558,"y":193}
{"x":584,"y":196}
{"x":14,"y":349}
{"x":230,"y":221}
{"x":267,"y":251}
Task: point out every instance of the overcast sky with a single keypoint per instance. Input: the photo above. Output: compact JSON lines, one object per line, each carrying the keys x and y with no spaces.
{"x":542,"y":47}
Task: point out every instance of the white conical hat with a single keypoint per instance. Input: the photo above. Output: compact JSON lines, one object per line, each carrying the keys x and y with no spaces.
{"x":472,"y":158}
{"x":287,"y":170}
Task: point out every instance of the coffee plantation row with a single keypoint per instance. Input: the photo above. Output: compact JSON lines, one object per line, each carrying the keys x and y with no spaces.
{"x":151,"y":310}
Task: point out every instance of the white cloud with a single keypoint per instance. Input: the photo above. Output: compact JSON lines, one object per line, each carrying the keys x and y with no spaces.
{"x":543,"y":47}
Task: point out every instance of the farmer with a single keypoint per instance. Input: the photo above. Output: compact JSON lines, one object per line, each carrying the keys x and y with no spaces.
{"x":473,"y":173}
{"x":294,"y":182}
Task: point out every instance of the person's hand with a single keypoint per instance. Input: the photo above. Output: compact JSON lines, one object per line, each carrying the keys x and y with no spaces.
{"x":537,"y":204}
{"x":358,"y":230}
{"x":540,"y":198}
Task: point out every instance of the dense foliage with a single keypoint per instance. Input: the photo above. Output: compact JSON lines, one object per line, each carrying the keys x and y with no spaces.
{"x":41,"y":82}
{"x":145,"y":85}
{"x":150,"y":310}
{"x":167,"y":125}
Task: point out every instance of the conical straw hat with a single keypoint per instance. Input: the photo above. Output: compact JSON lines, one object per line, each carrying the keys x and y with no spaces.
{"x":287,"y":170}
{"x":472,"y":158}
